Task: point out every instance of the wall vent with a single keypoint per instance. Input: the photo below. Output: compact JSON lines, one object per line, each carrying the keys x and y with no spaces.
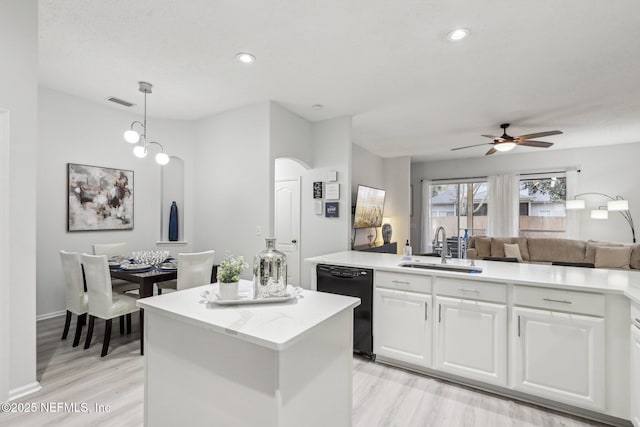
{"x":120,"y":101}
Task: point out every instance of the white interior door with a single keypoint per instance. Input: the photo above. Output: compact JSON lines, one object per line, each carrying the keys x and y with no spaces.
{"x":287,"y":224}
{"x":5,"y":257}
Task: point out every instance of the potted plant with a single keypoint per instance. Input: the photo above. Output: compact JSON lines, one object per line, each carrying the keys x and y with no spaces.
{"x":229,"y":275}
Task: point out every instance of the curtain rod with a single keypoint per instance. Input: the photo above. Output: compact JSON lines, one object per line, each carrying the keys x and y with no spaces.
{"x":485,"y":177}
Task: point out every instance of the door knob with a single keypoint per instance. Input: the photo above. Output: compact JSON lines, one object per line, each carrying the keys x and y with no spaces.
{"x":294,"y":241}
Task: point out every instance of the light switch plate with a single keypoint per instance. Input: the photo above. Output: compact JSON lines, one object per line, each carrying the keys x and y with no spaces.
{"x":332,"y":176}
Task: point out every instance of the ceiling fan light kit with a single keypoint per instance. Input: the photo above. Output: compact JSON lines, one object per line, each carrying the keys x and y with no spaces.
{"x":140,"y":138}
{"x":507,"y":142}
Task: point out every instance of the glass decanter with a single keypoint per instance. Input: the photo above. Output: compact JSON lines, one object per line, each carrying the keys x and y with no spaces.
{"x":270,"y":272}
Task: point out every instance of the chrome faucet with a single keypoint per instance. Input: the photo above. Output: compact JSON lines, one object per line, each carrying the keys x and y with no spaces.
{"x":443,"y":253}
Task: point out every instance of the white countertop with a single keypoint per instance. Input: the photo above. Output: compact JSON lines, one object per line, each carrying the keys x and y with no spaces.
{"x":626,"y":282}
{"x":271,"y":325}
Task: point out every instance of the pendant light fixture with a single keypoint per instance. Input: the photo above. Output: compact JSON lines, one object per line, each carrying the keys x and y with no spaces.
{"x":134,"y":137}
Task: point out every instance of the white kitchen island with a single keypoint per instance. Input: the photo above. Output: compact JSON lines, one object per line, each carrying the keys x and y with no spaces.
{"x":277,"y":364}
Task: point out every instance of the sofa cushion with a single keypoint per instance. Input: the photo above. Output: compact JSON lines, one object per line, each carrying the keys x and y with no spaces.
{"x":512,"y":250}
{"x":562,"y":250}
{"x":635,"y":257}
{"x":483,"y":245}
{"x":497,"y":246}
{"x":613,"y":256}
{"x":590,"y":253}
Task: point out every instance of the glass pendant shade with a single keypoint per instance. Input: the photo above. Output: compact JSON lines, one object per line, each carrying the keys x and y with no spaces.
{"x":618,"y":205}
{"x":574,"y":204}
{"x":162,"y":158}
{"x":504,"y":146}
{"x":131,"y":136}
{"x":140,"y":151}
{"x":599,"y":214}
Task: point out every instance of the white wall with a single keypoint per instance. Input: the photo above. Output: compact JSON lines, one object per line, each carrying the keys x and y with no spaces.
{"x":611,"y":170}
{"x":233,"y":186}
{"x":72,"y":130}
{"x":366,"y":169}
{"x":18,"y":95}
{"x":397,"y":206}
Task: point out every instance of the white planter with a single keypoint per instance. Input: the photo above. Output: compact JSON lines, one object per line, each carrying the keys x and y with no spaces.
{"x":228,"y":290}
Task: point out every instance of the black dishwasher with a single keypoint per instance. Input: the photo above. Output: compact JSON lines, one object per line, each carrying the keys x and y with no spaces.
{"x":353,"y":282}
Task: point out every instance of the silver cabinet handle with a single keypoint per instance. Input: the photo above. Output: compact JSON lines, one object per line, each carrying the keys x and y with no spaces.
{"x":439,"y":313}
{"x":518,"y":325}
{"x":473,"y":291}
{"x":426,"y":309}
{"x":401,"y":282}
{"x":557,"y":300}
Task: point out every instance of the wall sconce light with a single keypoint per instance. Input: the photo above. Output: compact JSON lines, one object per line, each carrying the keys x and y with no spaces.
{"x":615,"y":204}
{"x":132,"y":136}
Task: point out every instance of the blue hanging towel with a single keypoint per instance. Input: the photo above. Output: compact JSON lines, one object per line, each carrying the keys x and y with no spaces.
{"x":173,"y":222}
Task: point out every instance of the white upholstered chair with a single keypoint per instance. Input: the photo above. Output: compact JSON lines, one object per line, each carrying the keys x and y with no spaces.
{"x":194,"y":269}
{"x":112,"y":250}
{"x":76,"y":297}
{"x":102,"y":302}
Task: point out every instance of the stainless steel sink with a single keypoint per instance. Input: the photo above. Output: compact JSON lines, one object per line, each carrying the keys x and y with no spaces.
{"x":442,"y":267}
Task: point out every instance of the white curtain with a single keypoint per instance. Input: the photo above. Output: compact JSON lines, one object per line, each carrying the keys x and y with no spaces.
{"x":503,"y":210}
{"x":425,"y":238}
{"x":573,"y":223}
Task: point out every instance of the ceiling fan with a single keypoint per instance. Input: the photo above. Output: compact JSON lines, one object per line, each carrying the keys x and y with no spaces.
{"x":507,"y":142}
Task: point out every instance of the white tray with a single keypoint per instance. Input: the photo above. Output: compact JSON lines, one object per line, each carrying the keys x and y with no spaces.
{"x":247,"y":299}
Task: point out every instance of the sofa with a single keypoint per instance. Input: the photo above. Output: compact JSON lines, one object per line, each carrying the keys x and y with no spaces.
{"x":556,"y":251}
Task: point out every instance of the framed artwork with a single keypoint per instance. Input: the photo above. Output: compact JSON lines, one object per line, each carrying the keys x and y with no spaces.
{"x":333,"y":191}
{"x":331,"y":209}
{"x":317,"y":190}
{"x":99,"y":198}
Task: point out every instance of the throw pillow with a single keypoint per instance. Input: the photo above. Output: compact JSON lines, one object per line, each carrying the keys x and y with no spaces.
{"x":613,"y":256}
{"x":512,"y":250}
{"x":483,"y":244}
{"x":590,"y":254}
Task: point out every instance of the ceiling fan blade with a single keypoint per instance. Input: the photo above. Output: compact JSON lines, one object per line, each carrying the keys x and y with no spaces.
{"x":530,"y":143}
{"x":539,"y":134}
{"x":469,"y":146}
{"x":490,"y":136}
{"x":493,"y":150}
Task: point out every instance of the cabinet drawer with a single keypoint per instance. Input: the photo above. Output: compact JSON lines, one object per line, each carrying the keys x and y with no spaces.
{"x":559,"y":300}
{"x":403,"y":282}
{"x":470,"y":289}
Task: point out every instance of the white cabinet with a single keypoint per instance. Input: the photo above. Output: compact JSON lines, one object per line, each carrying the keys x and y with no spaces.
{"x":471,"y":339}
{"x":402,"y":326}
{"x":635,"y":369}
{"x":559,"y":356}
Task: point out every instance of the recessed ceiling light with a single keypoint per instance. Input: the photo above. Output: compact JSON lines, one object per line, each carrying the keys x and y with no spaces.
{"x":247,"y":58}
{"x":458,"y":34}
{"x":317,"y":106}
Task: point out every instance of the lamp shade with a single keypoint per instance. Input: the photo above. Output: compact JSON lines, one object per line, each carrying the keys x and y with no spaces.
{"x":504,"y":146}
{"x":574,"y":204}
{"x":618,"y":205}
{"x":131,"y":136}
{"x":140,"y":151}
{"x":162,"y":158}
{"x":599,"y":214}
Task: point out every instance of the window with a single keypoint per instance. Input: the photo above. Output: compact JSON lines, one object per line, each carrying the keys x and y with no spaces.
{"x":542,"y":206}
{"x":449,"y":204}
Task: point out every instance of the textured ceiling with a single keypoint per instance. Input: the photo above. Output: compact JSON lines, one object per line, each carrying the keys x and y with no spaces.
{"x":571,"y":65}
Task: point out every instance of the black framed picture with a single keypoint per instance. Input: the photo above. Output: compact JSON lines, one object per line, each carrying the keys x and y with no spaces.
{"x":317,"y":190}
{"x":331,"y":209}
{"x":99,"y":198}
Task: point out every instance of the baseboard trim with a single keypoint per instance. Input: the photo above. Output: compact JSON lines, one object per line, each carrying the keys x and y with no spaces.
{"x":25,"y":390}
{"x":50,"y":315}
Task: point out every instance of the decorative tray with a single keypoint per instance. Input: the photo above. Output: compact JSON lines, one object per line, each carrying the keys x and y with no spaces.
{"x":244,"y":298}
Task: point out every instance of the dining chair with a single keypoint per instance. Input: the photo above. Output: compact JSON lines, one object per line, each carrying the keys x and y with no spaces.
{"x":76,"y":297}
{"x":102,"y":302}
{"x":194,"y":269}
{"x":112,"y":250}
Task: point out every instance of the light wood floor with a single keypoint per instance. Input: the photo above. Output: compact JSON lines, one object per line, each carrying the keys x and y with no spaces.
{"x":383,"y":396}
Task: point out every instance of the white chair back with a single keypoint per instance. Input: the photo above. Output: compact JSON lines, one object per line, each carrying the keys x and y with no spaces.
{"x":111,"y":249}
{"x":74,"y":288}
{"x":194,"y":269}
{"x":96,"y":272}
